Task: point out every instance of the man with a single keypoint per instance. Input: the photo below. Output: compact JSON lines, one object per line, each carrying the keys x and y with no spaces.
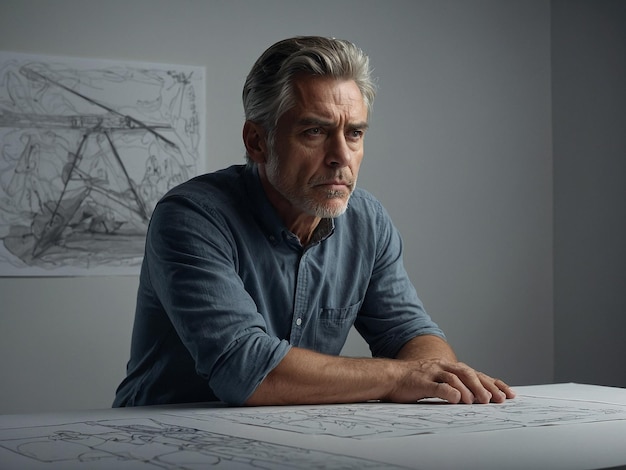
{"x":253,"y":275}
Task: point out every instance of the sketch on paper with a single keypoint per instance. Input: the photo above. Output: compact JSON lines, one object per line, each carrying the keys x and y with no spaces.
{"x":374,"y":420}
{"x":299,"y":437}
{"x":152,"y":443}
{"x":86,"y":150}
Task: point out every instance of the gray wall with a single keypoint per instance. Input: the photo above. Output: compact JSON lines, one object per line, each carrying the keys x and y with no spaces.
{"x":459,"y":152}
{"x":589,"y":109}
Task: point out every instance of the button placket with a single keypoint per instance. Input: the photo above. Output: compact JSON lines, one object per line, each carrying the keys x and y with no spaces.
{"x":300,"y":301}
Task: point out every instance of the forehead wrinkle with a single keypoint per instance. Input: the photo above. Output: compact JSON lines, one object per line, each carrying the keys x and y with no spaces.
{"x":317,"y":105}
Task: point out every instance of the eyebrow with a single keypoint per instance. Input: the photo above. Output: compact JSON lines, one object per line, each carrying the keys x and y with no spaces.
{"x":311,"y":121}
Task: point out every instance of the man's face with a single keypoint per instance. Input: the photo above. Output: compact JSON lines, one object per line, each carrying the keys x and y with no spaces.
{"x":318,"y":147}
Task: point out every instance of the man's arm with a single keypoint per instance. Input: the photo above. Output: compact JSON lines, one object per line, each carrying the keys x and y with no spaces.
{"x":425,"y":367}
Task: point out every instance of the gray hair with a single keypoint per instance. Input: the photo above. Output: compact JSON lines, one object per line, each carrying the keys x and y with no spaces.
{"x":268,"y":90}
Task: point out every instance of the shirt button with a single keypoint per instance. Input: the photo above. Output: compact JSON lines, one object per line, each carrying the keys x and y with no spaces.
{"x":299,"y":321}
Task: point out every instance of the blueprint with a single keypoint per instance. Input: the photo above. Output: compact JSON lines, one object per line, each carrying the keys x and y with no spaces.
{"x":354,"y":436}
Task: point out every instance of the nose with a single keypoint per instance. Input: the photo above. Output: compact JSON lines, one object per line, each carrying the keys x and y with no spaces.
{"x":338,"y":153}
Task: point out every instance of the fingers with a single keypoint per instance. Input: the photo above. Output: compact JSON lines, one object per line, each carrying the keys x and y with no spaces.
{"x":467,"y":381}
{"x":499,"y":390}
{"x":472,"y":386}
{"x":450,"y":388}
{"x":454,"y":382}
{"x":508,"y":391}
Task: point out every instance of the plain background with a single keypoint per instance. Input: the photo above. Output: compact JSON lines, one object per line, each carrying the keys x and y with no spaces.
{"x":496,"y":143}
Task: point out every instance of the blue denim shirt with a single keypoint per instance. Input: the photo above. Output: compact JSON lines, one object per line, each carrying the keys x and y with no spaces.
{"x":225,"y":290}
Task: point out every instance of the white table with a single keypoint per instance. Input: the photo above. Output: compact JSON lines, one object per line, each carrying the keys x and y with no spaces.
{"x":560,"y":426}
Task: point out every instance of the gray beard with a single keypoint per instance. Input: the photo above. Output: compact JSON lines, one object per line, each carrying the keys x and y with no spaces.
{"x":305,"y":204}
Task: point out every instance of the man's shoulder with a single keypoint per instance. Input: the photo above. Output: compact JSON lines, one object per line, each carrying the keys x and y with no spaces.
{"x":215,"y":181}
{"x":363,"y":200}
{"x":364,"y":194}
{"x":211,"y":188}
{"x":364,"y":210}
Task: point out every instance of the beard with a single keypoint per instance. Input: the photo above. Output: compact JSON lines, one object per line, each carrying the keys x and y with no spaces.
{"x":307,"y":199}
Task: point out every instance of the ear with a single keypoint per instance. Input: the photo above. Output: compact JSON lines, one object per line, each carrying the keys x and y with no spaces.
{"x":255,"y":141}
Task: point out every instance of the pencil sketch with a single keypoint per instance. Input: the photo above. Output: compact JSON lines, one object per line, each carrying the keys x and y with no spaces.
{"x":375,"y":420}
{"x":154,"y":444}
{"x":88,"y":148}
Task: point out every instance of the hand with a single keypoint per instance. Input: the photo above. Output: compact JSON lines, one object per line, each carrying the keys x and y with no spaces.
{"x":452,"y":381}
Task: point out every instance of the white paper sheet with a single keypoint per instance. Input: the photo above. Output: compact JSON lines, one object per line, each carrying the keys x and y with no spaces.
{"x":582,"y":428}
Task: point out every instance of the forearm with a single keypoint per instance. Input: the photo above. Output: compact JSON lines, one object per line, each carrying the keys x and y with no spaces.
{"x":307,"y":377}
{"x":426,"y":366}
{"x":427,"y":347}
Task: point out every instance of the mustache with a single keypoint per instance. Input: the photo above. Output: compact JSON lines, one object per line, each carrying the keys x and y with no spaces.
{"x":341,"y":178}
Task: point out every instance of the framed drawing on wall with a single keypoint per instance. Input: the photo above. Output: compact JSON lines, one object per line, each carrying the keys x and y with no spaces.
{"x":87,"y":148}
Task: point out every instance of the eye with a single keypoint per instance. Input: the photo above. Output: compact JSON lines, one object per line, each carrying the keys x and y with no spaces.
{"x":355,"y":134}
{"x":314,"y":131}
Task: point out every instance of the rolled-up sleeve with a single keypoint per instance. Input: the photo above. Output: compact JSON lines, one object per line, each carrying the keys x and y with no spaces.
{"x":392,"y":313}
{"x":191,"y":261}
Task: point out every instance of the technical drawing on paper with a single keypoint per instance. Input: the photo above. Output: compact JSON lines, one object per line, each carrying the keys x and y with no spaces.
{"x":374,"y":420}
{"x":87,"y":149}
{"x":270,"y":438}
{"x":113,"y":443}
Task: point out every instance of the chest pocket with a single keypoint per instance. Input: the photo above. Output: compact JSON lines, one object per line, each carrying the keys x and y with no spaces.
{"x":333,"y":328}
